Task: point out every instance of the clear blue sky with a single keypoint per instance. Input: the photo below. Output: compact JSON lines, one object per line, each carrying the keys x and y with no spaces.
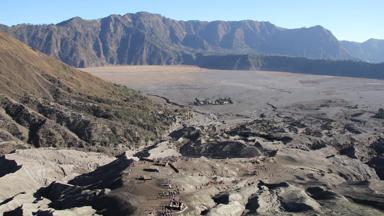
{"x":356,"y":20}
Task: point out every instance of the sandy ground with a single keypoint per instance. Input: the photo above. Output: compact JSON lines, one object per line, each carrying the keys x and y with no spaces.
{"x":251,"y":90}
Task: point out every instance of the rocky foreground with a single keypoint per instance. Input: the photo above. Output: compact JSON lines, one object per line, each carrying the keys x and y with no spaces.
{"x":73,"y":144}
{"x":314,"y":158}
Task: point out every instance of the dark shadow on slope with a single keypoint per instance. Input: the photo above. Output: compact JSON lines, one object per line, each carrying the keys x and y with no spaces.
{"x":273,"y":186}
{"x":7,"y":166}
{"x":16,"y":212}
{"x":319,"y":193}
{"x":91,"y":189}
{"x":10,"y":199}
{"x":296,"y":207}
{"x":361,"y":193}
{"x":377,"y":163}
{"x":43,"y":213}
{"x":221,"y":198}
{"x":65,"y":196}
{"x":107,"y":176}
{"x":252,"y":204}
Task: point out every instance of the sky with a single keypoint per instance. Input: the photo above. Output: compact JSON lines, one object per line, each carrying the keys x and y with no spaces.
{"x":355,"y":20}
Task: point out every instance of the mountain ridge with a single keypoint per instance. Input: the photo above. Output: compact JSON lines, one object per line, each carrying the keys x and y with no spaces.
{"x":145,"y":38}
{"x":371,"y":50}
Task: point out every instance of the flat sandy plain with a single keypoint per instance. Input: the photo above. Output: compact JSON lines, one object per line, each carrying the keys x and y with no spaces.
{"x":251,"y":90}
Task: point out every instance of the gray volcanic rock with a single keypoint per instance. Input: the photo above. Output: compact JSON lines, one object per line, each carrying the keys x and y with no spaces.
{"x":371,"y":50}
{"x":222,"y":150}
{"x":197,"y":142}
{"x":244,"y":169}
{"x":145,"y":38}
{"x":368,"y":193}
{"x":296,"y":200}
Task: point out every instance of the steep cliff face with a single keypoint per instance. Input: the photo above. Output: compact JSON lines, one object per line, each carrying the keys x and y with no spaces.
{"x":313,"y":43}
{"x":112,"y":40}
{"x":44,"y":102}
{"x":145,"y":38}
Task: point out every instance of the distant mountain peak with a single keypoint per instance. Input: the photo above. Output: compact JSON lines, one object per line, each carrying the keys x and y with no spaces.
{"x":144,"y":13}
{"x":317,"y":27}
{"x":73,"y":20}
{"x":374,"y":40}
{"x":371,"y":50}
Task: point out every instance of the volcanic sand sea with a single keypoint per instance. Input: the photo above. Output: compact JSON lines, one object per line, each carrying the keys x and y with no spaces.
{"x":251,"y":90}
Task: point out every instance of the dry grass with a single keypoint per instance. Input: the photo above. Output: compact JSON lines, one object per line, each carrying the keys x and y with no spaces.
{"x":23,"y":70}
